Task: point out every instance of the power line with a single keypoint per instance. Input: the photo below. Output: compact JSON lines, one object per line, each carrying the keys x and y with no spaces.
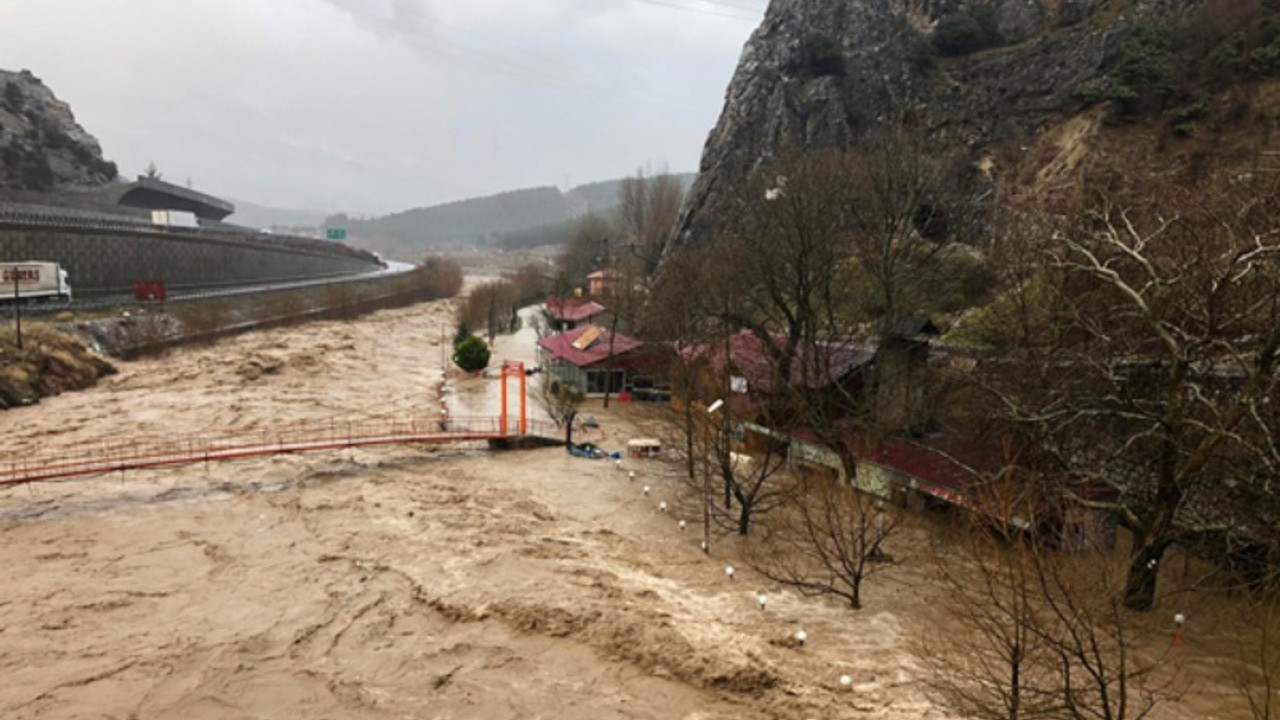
{"x":703,"y":11}
{"x":512,"y":67}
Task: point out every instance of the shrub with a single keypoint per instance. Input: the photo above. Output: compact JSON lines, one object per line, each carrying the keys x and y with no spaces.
{"x":1226,"y":56}
{"x":13,"y":97}
{"x":1071,"y":13}
{"x":1142,"y":74}
{"x":472,"y":354}
{"x":968,"y":31}
{"x":438,"y":277}
{"x":35,"y":172}
{"x":1265,"y":60}
{"x":821,"y":56}
{"x":108,"y":169}
{"x":958,"y":34}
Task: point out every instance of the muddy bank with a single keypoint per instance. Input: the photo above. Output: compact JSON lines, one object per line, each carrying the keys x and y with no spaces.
{"x":154,"y":328}
{"x":48,"y":363}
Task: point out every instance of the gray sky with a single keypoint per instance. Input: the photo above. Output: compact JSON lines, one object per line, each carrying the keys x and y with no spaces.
{"x":381,"y":105}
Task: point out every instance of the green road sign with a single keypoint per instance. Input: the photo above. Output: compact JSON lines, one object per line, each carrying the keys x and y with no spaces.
{"x":336,"y":233}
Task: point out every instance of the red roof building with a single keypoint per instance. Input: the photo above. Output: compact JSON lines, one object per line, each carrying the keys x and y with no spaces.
{"x":958,"y":473}
{"x":750,"y":362}
{"x":569,"y":313}
{"x":601,"y":282}
{"x":586,"y":358}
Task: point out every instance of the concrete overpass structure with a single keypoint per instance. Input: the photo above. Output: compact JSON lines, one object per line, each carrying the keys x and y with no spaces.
{"x":155,"y":194}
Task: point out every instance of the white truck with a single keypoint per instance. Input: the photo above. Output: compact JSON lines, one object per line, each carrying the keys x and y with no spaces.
{"x":175,"y":219}
{"x":33,"y":281}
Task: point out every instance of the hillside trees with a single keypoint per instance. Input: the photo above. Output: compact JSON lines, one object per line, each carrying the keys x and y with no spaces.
{"x":495,"y":305}
{"x":1143,"y":359}
{"x":811,"y":250}
{"x":648,"y":208}
{"x":583,"y":254}
{"x":820,"y":252}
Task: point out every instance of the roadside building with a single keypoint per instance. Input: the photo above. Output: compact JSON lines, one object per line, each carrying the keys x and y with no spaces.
{"x":603,"y":283}
{"x":597,"y":362}
{"x":743,"y":370}
{"x":564,"y":314}
{"x":944,"y":472}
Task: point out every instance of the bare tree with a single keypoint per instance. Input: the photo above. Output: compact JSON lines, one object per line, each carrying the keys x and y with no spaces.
{"x":1147,"y":365}
{"x":1107,"y":669}
{"x":751,"y":479}
{"x":995,"y":665}
{"x":828,"y":540}
{"x":1258,"y":677}
{"x":561,"y":401}
{"x":581,"y":255}
{"x":648,"y":208}
{"x":1040,"y":634}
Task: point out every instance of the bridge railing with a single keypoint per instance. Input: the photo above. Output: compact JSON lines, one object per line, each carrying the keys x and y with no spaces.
{"x":25,"y":464}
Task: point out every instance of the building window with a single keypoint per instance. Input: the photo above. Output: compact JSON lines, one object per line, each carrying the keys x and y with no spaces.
{"x":602,"y":381}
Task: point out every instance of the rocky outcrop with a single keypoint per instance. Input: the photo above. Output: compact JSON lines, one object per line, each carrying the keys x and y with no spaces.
{"x":975,"y":74}
{"x":42,"y":147}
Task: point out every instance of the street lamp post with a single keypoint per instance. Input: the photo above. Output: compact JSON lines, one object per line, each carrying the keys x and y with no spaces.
{"x":706,"y":480}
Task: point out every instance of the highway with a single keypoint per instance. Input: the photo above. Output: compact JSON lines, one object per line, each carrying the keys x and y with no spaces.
{"x":99,"y":302}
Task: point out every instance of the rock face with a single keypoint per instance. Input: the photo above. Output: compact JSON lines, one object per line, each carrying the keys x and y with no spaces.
{"x":974,"y":74}
{"x":42,"y":147}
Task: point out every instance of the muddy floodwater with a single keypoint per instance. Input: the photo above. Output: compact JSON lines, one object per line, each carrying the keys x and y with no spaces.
{"x":397,"y":582}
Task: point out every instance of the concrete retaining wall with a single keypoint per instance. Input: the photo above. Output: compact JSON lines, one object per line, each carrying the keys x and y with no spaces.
{"x":104,"y":261}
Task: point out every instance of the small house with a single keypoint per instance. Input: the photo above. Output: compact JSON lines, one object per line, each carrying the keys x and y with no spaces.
{"x":944,"y":473}
{"x":565,"y":314}
{"x":603,"y":283}
{"x":595,"y":361}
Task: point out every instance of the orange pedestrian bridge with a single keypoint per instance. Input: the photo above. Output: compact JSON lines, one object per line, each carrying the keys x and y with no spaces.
{"x":418,"y":426}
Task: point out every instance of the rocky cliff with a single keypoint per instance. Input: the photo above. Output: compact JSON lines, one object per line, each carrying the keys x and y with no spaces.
{"x":42,"y":147}
{"x":993,"y":79}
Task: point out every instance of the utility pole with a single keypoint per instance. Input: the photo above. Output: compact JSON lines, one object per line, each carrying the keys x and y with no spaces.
{"x":17,"y":306}
{"x":706,"y":490}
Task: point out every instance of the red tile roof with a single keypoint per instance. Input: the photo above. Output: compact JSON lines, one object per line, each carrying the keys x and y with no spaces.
{"x":561,"y":347}
{"x":943,"y":466}
{"x":751,"y":358}
{"x":573,"y":309}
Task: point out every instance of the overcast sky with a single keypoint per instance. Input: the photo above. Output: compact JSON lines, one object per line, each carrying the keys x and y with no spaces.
{"x":382,"y":105}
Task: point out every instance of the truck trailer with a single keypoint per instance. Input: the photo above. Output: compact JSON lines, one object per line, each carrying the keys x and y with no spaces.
{"x":33,"y":281}
{"x":175,"y":219}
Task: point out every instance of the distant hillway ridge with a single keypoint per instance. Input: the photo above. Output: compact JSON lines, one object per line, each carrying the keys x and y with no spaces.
{"x":519,"y":217}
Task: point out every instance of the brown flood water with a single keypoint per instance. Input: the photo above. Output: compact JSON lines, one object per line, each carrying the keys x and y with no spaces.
{"x":399,"y":582}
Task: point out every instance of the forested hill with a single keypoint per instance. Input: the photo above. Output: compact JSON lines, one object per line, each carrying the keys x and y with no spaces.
{"x":519,"y":218}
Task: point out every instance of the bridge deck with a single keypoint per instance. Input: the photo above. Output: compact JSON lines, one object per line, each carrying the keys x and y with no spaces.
{"x":98,"y":457}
